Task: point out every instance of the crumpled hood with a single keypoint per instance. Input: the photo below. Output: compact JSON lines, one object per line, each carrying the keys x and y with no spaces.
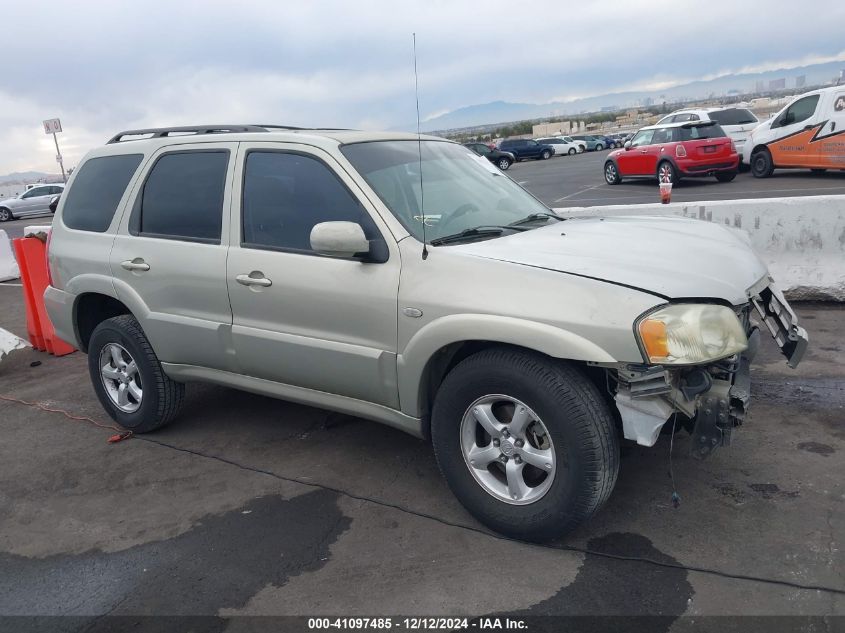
{"x":669,"y":256}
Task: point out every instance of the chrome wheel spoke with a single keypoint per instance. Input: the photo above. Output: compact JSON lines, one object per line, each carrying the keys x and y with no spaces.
{"x":117,"y":357}
{"x":122,"y":395}
{"x":517,"y":488}
{"x":541,"y":459}
{"x":481,"y":456}
{"x":519,"y":421}
{"x":135,"y":391}
{"x":110,"y":372}
{"x":131,"y":369}
{"x":484,"y":415}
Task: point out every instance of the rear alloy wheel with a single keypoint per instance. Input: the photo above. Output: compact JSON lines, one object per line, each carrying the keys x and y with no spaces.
{"x":525,"y":442}
{"x":611,"y":174}
{"x":503,"y":163}
{"x":572,"y":151}
{"x":128,"y":378}
{"x":726,"y":176}
{"x":599,"y":147}
{"x":546,"y":155}
{"x":612,"y":146}
{"x":666,"y":172}
{"x":5,"y":215}
{"x":762,"y":165}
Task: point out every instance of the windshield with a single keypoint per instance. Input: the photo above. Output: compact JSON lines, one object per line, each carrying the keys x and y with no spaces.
{"x":461,"y":190}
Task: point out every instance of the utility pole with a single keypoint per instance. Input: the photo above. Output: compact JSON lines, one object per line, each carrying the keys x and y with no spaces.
{"x":53,"y":126}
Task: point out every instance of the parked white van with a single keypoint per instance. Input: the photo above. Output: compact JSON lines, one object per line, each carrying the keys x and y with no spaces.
{"x":807,"y":133}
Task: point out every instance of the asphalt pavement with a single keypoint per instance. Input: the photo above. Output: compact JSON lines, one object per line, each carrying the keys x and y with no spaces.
{"x":578,"y":181}
{"x":14,"y":228}
{"x":249,"y":506}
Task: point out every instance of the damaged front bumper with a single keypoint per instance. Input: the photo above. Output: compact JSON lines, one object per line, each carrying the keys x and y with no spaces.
{"x":708,"y":400}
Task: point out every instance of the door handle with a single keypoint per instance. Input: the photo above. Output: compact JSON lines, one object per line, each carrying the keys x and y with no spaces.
{"x":249,"y":280}
{"x":135,"y":264}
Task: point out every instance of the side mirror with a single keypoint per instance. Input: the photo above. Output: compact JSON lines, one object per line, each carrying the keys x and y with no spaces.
{"x":339,"y":239}
{"x":627,"y":145}
{"x":54,"y":203}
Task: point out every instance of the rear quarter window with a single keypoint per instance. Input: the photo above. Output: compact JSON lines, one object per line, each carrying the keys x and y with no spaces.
{"x":91,"y":202}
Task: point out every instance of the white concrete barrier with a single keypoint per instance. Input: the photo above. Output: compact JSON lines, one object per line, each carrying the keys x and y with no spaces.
{"x":802,"y":240}
{"x":8,"y":264}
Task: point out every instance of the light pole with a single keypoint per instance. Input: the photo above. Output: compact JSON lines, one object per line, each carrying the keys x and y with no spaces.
{"x":53,"y":126}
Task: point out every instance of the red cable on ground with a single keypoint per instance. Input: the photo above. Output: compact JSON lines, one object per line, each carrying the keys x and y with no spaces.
{"x":121,"y":435}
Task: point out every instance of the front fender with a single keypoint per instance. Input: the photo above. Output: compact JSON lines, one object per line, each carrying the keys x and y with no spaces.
{"x":547,"y":339}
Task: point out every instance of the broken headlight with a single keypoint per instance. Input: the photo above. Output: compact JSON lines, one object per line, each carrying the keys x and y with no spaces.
{"x":689,"y":334}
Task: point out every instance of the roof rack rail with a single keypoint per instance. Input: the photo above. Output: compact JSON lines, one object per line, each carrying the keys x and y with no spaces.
{"x":163,"y":132}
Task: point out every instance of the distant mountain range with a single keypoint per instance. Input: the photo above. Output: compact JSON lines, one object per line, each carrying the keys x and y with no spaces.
{"x":26,"y":177}
{"x":505,"y":111}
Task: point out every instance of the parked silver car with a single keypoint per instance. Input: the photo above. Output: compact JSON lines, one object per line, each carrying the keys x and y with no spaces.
{"x":34,"y":201}
{"x":409,"y":281}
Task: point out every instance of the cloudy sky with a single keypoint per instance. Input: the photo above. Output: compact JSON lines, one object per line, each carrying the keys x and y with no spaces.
{"x":103,"y":66}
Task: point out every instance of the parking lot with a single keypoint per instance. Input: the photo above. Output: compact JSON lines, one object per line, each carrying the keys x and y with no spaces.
{"x":253,"y":506}
{"x":578,"y":181}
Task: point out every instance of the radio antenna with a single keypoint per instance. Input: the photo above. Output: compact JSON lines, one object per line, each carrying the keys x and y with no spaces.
{"x":419,"y":150}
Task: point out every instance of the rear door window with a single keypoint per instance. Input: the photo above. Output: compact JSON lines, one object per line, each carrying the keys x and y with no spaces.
{"x":91,"y":202}
{"x":182,"y":197}
{"x":733,"y":116}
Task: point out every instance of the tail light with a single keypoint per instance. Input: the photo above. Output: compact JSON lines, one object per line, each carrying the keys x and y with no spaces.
{"x":47,"y":256}
{"x":680,"y":151}
{"x":733,"y":147}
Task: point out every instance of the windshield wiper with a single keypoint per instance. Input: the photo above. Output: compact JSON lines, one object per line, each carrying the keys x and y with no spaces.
{"x":534,"y":217}
{"x":474,"y":232}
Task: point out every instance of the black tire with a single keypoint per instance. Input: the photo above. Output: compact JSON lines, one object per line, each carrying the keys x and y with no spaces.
{"x":579,"y":424}
{"x":762,"y":164}
{"x":572,"y":151}
{"x":546,"y":155}
{"x":665,"y":168}
{"x":612,"y":146}
{"x":599,"y":147}
{"x":162,"y":397}
{"x":725,"y":176}
{"x":5,"y":215}
{"x":611,"y":173}
{"x":503,"y":163}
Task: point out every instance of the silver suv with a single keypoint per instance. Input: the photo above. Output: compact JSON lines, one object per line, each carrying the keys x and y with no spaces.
{"x":34,"y":201}
{"x":408,"y":281}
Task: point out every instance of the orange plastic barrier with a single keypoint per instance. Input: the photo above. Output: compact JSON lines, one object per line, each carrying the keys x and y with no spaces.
{"x":32,"y":260}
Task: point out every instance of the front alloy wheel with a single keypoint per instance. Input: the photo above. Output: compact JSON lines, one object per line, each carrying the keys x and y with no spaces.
{"x":507,"y":449}
{"x":503,"y":163}
{"x":526,"y":442}
{"x":611,"y":174}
